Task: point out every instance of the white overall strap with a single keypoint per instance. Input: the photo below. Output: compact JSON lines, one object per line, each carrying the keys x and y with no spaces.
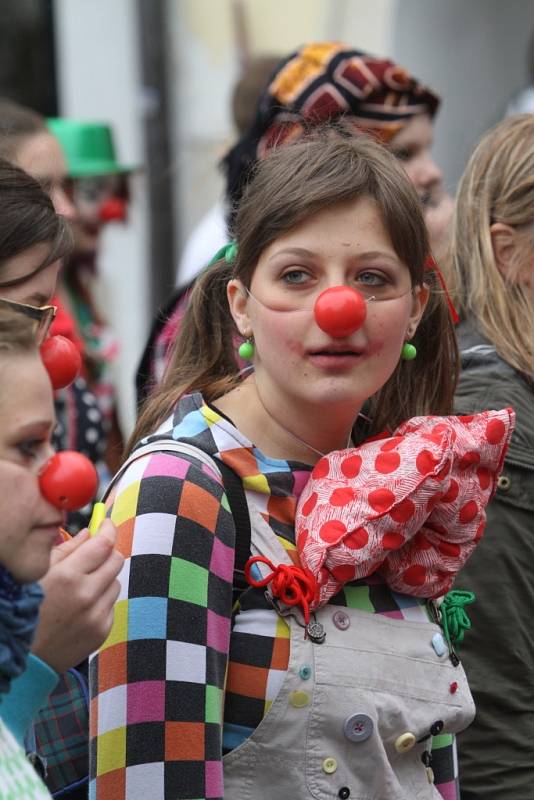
{"x":164,"y":446}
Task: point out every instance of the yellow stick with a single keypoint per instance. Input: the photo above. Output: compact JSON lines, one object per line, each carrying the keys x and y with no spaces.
{"x":97,"y":518}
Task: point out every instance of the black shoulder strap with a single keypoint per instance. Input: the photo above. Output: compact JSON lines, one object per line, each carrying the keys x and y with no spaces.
{"x":233,"y":487}
{"x":237,"y":501}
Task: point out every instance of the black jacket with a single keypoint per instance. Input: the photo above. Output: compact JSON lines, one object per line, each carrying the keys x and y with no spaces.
{"x":497,"y":752}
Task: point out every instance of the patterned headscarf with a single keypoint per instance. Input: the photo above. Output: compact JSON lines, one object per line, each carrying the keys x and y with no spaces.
{"x":323,"y":82}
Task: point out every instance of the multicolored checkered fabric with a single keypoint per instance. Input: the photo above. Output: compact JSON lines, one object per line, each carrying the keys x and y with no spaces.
{"x":181,"y":678}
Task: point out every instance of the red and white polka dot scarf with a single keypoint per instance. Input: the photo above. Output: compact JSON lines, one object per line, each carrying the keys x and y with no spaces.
{"x":410,"y":505}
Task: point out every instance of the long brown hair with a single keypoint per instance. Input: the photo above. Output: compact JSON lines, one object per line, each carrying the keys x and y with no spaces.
{"x":497,"y":186}
{"x":27,"y":218}
{"x":290,"y":185}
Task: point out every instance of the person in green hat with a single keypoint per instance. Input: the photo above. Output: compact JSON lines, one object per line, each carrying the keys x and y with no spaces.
{"x":99,"y":192}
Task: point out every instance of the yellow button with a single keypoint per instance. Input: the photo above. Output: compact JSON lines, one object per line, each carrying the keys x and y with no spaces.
{"x":329,"y":765}
{"x":299,"y":699}
{"x":404,"y":742}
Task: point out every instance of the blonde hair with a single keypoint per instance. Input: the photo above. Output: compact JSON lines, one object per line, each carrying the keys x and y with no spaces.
{"x":497,"y":186}
{"x":291,"y":184}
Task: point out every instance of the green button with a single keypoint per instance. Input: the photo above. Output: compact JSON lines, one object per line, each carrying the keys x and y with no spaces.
{"x":299,"y":699}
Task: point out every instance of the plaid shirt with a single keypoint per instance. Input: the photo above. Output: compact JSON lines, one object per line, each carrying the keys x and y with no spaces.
{"x":178,"y":681}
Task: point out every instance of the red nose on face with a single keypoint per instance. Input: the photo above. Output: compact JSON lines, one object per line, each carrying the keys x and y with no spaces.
{"x":62,"y":361}
{"x":340,"y":311}
{"x":68,"y":480}
{"x":113,"y":210}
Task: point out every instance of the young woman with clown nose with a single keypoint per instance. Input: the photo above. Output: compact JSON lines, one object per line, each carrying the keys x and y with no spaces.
{"x":78,"y":577}
{"x":209,"y":687}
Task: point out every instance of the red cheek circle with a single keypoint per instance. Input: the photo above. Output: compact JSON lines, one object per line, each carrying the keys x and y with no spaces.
{"x":341,"y":497}
{"x":350,"y":467}
{"x":484,"y":477}
{"x":450,"y":549}
{"x":302,"y":538}
{"x":480,"y":531}
{"x":391,"y":444}
{"x":425,"y":462}
{"x":310,"y":504}
{"x":357,"y":539}
{"x":321,"y":469}
{"x":392,"y":540}
{"x":468,"y":512}
{"x":387,"y":462}
{"x":452,"y":492}
{"x":332,"y":531}
{"x":403,"y":512}
{"x":381,"y":499}
{"x":470,"y":459}
{"x":414,"y":575}
{"x":344,"y":573}
{"x":495,"y":431}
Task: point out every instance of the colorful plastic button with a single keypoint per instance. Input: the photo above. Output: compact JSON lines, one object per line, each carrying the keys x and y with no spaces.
{"x":329,"y":765}
{"x":404,"y":742}
{"x":453,"y":688}
{"x":305,"y":672}
{"x":439,"y":645}
{"x":341,"y":620}
{"x":358,"y":727}
{"x":299,"y":699}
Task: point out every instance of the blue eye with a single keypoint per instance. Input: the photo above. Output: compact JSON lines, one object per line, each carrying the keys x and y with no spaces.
{"x":371,"y":279}
{"x":295,"y":276}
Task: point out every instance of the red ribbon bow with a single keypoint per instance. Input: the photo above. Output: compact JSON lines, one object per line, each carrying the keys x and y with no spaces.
{"x":293,"y":585}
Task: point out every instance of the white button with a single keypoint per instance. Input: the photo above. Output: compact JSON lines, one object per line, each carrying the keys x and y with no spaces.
{"x":404,"y":742}
{"x":329,"y":765}
{"x":358,"y":727}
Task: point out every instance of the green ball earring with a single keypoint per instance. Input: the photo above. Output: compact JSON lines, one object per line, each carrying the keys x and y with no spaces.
{"x":408,"y":352}
{"x":246,"y":349}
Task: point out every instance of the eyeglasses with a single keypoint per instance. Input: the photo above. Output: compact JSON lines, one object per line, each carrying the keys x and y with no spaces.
{"x":42,"y":316}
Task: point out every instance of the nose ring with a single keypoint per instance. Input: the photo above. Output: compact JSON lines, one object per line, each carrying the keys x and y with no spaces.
{"x":340,"y":311}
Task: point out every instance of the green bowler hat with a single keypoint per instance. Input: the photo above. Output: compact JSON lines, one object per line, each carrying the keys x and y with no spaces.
{"x":88,"y":147}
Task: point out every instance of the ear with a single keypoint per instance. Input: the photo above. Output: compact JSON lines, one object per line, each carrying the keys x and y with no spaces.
{"x":419,"y":301}
{"x":504,"y":243}
{"x":238,"y":302}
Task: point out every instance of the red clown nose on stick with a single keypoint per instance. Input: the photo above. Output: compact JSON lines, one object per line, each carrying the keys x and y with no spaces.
{"x":68,"y":480}
{"x":62,"y":361}
{"x":340,"y":311}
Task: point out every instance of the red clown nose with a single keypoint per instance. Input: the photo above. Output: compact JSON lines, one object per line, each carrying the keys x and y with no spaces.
{"x":113,"y":210}
{"x":62,"y":361}
{"x":68,"y":480}
{"x":340,"y":311}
